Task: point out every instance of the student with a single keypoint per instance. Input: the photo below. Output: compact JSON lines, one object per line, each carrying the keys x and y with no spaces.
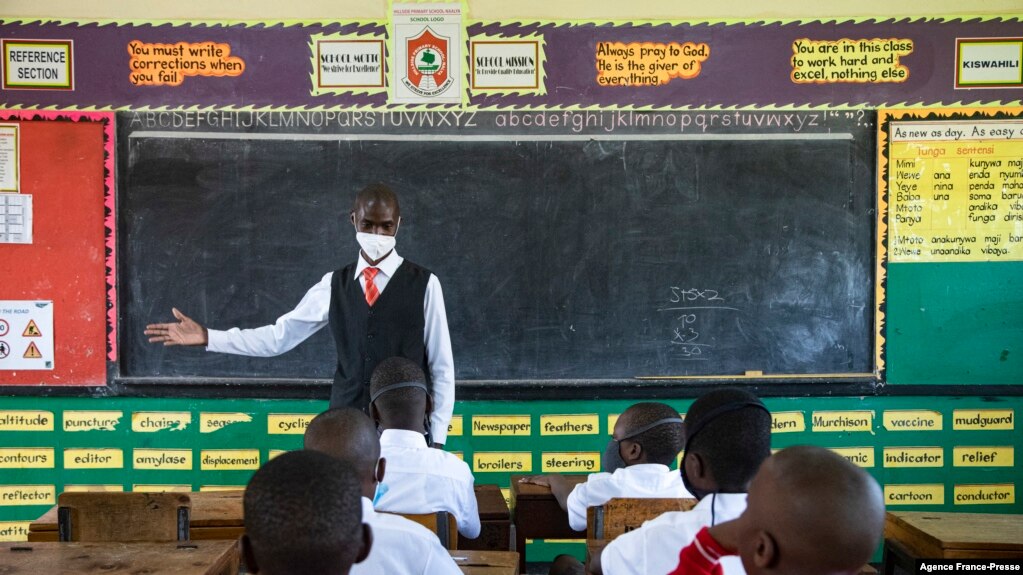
{"x":728,"y":436}
{"x":401,"y":546}
{"x":419,"y":479}
{"x":302,"y":515}
{"x":647,"y":437}
{"x":377,"y":306}
{"x":810,"y":512}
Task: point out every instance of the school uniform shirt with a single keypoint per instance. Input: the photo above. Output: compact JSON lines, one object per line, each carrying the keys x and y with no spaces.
{"x":654,"y":547}
{"x":701,"y":557}
{"x":312,"y":314}
{"x":402,"y":547}
{"x":643,"y":480}
{"x":421,"y":479}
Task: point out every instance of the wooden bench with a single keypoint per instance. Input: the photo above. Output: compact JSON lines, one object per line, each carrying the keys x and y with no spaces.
{"x":124,"y":517}
{"x":475,"y":562}
{"x":912,"y":535}
{"x":442,"y":523}
{"x":214,"y":515}
{"x":495,"y":522}
{"x":621,"y":515}
{"x":109,"y":558}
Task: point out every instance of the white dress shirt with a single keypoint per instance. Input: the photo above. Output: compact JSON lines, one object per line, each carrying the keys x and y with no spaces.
{"x":311,"y":315}
{"x":643,"y":480}
{"x":654,"y":547}
{"x":402,"y":547}
{"x":421,"y":479}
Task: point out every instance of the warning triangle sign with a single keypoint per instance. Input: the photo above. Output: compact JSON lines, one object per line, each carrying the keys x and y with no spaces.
{"x":32,"y":352}
{"x":31,"y":330}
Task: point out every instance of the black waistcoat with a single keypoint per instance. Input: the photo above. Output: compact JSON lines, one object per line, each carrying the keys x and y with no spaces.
{"x":366,"y":335}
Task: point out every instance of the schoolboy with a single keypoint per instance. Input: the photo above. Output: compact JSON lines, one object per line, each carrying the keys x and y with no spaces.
{"x":727,"y":438}
{"x":401,"y":546}
{"x":809,"y":512}
{"x":302,"y":515}
{"x":647,"y":437}
{"x":420,"y":479}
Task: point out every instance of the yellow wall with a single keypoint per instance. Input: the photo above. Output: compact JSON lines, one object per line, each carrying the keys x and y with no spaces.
{"x":499,"y":9}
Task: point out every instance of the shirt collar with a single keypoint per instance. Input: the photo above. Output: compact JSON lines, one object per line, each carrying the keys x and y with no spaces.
{"x":644,"y":468}
{"x":387,"y":266}
{"x":368,"y":513}
{"x":403,"y":438}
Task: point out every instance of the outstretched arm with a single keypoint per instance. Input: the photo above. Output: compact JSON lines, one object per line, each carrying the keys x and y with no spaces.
{"x":184,"y":332}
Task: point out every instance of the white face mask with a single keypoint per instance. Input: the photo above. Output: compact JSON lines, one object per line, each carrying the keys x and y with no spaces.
{"x":375,"y":246}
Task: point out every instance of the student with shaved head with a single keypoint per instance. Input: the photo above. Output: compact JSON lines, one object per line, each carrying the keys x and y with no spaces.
{"x":419,"y":479}
{"x":378,"y":306}
{"x":303,"y":515}
{"x":646,"y":440}
{"x":401,"y":546}
{"x":810,"y":512}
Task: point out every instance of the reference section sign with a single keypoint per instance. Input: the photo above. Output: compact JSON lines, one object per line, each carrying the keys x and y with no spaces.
{"x":38,"y":65}
{"x":26,"y":335}
{"x":955,"y":190}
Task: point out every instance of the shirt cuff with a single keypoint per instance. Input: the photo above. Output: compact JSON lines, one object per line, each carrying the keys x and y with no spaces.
{"x":215,"y":340}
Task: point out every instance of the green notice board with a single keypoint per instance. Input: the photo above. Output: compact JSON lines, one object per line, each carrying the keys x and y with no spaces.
{"x":950,"y":230}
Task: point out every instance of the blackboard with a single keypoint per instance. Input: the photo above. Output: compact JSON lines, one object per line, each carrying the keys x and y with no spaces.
{"x":612,"y":245}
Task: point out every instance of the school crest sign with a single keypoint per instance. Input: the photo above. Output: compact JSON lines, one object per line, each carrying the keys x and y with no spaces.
{"x":427,"y":71}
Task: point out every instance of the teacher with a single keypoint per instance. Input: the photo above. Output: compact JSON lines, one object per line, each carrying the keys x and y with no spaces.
{"x":379,"y":306}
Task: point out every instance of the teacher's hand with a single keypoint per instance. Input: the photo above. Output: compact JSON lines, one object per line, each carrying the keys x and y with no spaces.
{"x":185,"y":332}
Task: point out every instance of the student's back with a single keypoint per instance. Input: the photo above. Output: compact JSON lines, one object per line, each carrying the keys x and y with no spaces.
{"x":420,"y":479}
{"x":728,"y":436}
{"x":400,"y":546}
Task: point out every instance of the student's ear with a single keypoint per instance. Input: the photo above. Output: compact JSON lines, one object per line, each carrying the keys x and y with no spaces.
{"x":765,"y":550}
{"x":632,"y":451}
{"x":249,"y":555}
{"x":367,"y":543}
{"x":351,"y":216}
{"x":381,"y":467}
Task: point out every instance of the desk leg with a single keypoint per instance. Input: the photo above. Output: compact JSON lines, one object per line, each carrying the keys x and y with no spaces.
{"x":520,"y":546}
{"x":896,"y":557}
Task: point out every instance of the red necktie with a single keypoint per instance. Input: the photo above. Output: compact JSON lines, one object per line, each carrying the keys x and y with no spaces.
{"x":372,"y":293}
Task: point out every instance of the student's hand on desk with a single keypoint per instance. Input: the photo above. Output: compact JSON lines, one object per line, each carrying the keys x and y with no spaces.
{"x":542,"y":480}
{"x":185,"y":332}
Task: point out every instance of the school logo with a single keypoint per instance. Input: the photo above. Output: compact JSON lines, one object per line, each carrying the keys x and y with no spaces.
{"x":426,"y":73}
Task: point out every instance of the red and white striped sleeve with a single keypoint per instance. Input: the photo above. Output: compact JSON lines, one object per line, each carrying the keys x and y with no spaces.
{"x":701,"y":557}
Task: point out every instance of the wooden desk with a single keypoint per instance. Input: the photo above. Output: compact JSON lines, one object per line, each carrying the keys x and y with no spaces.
{"x":537,"y":515}
{"x":911,"y":535}
{"x":486,"y":562}
{"x":495,"y":522}
{"x":176,"y":558}
{"x":215,"y":515}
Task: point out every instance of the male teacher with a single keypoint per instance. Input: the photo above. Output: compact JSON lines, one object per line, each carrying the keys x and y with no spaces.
{"x":379,"y":306}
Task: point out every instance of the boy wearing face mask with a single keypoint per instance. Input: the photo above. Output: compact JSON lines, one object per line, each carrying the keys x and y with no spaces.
{"x":379,"y":306}
{"x":400,"y":546}
{"x":647,"y":438}
{"x":728,"y":436}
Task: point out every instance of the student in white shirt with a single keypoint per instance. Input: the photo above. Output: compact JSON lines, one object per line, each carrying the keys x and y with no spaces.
{"x":647,"y":437}
{"x":728,"y":436}
{"x":419,"y":479}
{"x":400,"y":546}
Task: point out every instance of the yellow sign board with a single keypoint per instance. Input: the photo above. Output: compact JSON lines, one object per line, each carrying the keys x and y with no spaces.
{"x":914,"y":457}
{"x":828,"y":421}
{"x":89,"y":458}
{"x":221,"y":488}
{"x":983,"y":419}
{"x":26,"y":420}
{"x":978,"y":456}
{"x":912,"y":420}
{"x":210,"y":422}
{"x":861,"y":456}
{"x":221,"y":459}
{"x":162,"y":459}
{"x":14,"y":530}
{"x":161,"y":488}
{"x":153,"y":421}
{"x":788,"y":422}
{"x":93,"y":488}
{"x":26,"y":457}
{"x":584,"y":424}
{"x":274,"y":453}
{"x":501,"y":425}
{"x":288,"y":423}
{"x":998,"y":494}
{"x":570,"y":462}
{"x":455,"y":427}
{"x":27,"y":495}
{"x":926,"y":494}
{"x":503,"y":461}
{"x":92,"y":420}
